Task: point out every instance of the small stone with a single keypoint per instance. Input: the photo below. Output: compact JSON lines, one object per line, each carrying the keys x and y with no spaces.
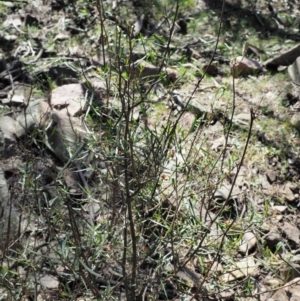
{"x":242,"y":118}
{"x":145,"y":70}
{"x":295,"y":122}
{"x":35,"y":115}
{"x":61,"y":37}
{"x":271,"y":176}
{"x":211,"y":70}
{"x":273,"y":283}
{"x":8,"y":4}
{"x":21,"y":271}
{"x":292,"y":161}
{"x":221,"y":194}
{"x":12,"y":20}
{"x":265,"y":183}
{"x":272,"y":239}
{"x":242,"y":66}
{"x":10,"y":37}
{"x":216,"y":268}
{"x":240,"y":269}
{"x":49,"y":281}
{"x":291,"y":232}
{"x":249,"y":242}
{"x":289,"y":196}
{"x":280,"y":209}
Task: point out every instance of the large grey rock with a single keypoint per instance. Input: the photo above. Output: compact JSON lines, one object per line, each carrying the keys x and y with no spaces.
{"x":294,"y":70}
{"x":64,"y":135}
{"x":7,"y":138}
{"x":284,"y":59}
{"x":32,"y":117}
{"x":69,"y":98}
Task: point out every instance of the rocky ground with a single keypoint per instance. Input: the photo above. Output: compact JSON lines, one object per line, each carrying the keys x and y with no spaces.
{"x":150,"y":151}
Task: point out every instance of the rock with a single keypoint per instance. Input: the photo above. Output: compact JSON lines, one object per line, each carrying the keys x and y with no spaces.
{"x":294,"y":71}
{"x":285,"y":59}
{"x":248,"y":243}
{"x":291,"y":232}
{"x":280,"y":209}
{"x":219,"y":143}
{"x":223,"y":192}
{"x":17,"y":96}
{"x":288,"y":194}
{"x":242,"y":118}
{"x":49,"y":281}
{"x":271,"y":176}
{"x":266,"y":186}
{"x":228,"y":294}
{"x":144,"y":69}
{"x":61,"y":37}
{"x":187,"y":121}
{"x":12,"y":20}
{"x":69,"y":98}
{"x":9,"y":4}
{"x":243,"y":66}
{"x":33,"y":117}
{"x":216,"y":268}
{"x":12,"y":165}
{"x":21,"y":272}
{"x":7,"y":138}
{"x":243,"y":268}
{"x":71,"y":178}
{"x":272,"y":282}
{"x":242,"y":179}
{"x":138,"y":25}
{"x":186,"y":274}
{"x":292,"y":161}
{"x":272,"y":239}
{"x":252,"y":50}
{"x":10,"y":37}
{"x":290,"y":292}
{"x":295,"y":121}
{"x":211,"y":70}
{"x":64,"y":135}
